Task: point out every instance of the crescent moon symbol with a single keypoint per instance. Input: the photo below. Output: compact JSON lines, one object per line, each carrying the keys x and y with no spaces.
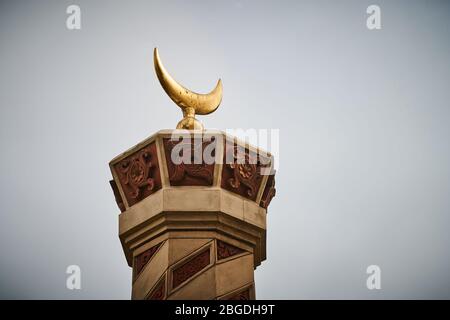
{"x":185,"y":98}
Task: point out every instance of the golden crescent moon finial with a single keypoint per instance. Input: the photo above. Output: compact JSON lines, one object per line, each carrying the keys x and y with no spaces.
{"x":190,"y":102}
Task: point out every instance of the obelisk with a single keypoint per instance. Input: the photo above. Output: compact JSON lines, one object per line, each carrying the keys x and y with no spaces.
{"x":193,"y":206}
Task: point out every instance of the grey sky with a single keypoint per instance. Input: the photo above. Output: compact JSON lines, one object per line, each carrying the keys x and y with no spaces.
{"x":364,"y":125}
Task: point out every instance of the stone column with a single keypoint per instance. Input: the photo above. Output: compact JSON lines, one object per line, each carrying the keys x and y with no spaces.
{"x":193,"y":231}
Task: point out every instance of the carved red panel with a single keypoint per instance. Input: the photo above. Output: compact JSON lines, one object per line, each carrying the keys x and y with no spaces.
{"x":190,"y":268}
{"x":225,"y":250}
{"x":117,"y":196}
{"x":241,"y":172}
{"x":269,"y":192}
{"x":139,"y":174}
{"x":159,"y":291}
{"x":141,"y":260}
{"x":244,"y":295}
{"x":195,"y":171}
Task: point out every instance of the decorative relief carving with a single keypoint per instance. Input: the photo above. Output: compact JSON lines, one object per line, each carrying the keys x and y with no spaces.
{"x":141,"y":260}
{"x":159,"y":292}
{"x":243,"y":295}
{"x":241,"y":171}
{"x":117,"y":195}
{"x":225,"y":250}
{"x":194,"y":173}
{"x":139,"y":174}
{"x":269,"y":192}
{"x":190,"y":268}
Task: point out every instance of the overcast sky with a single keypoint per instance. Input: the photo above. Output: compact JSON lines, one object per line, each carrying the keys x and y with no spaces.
{"x":364,"y":120}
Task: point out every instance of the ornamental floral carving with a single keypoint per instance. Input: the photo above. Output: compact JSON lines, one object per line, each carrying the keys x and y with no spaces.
{"x":242,"y":171}
{"x":190,"y":268}
{"x":225,"y":250}
{"x":158,"y":292}
{"x":195,"y":171}
{"x":139,"y":174}
{"x":269,"y":192}
{"x":142,"y":259}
